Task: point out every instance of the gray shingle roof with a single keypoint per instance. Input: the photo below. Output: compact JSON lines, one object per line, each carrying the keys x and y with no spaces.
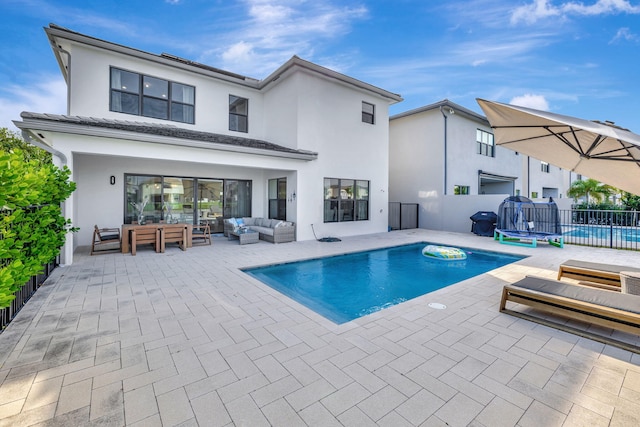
{"x":165,"y":130}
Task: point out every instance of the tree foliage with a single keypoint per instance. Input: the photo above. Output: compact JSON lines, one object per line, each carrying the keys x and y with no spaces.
{"x":630,"y":201}
{"x":32,"y":227}
{"x":590,"y":189}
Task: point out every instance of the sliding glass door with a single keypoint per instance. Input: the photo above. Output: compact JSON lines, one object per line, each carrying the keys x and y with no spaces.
{"x":185,"y":200}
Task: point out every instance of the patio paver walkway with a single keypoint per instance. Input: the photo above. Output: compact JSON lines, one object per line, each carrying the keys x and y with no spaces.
{"x":185,"y":338}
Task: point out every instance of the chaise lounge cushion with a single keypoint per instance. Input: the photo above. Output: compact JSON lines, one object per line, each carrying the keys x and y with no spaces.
{"x":609,"y":268}
{"x":600,"y":297}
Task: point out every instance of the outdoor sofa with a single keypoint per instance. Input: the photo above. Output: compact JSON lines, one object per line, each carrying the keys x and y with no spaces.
{"x":602,"y":275}
{"x":613,"y":310}
{"x":271,"y":230}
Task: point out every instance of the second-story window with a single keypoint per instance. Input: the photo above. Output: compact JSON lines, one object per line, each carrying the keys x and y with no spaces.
{"x":238,"y":114}
{"x":133,"y":93}
{"x":368,"y":113}
{"x":544,"y":167}
{"x":485,"y":144}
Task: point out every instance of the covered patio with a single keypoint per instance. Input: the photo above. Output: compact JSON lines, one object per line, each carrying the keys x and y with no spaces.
{"x":186,"y":338}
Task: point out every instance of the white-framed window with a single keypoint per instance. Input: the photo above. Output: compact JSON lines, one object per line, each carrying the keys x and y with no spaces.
{"x":485,"y":143}
{"x":346,"y":200}
{"x":238,"y":114}
{"x":142,"y":95}
{"x":368,"y":113}
{"x":544,"y":167}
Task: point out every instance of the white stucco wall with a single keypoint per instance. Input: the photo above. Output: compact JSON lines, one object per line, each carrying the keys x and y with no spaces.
{"x":556,"y":178}
{"x":417,"y":167}
{"x":416,"y":159}
{"x":90,"y":92}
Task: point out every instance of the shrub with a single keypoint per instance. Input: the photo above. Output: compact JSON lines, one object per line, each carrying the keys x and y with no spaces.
{"x":32,"y":227}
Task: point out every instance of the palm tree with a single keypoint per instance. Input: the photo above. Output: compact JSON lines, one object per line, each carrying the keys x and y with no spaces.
{"x":590,"y":188}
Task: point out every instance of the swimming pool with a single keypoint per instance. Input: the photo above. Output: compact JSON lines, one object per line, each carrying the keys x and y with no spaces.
{"x":343,"y":288}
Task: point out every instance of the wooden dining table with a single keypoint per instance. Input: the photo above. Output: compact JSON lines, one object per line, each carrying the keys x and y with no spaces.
{"x":127,"y":228}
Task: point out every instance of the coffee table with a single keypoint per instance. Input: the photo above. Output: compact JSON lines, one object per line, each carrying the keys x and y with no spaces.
{"x":245,"y":236}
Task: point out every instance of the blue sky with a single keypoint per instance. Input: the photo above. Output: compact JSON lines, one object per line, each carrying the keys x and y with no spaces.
{"x":575,"y":58}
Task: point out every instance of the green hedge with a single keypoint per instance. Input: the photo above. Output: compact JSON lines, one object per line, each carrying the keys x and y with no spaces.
{"x":32,"y":227}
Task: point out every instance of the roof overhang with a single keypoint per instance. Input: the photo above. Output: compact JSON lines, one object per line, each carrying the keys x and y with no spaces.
{"x":450,"y":107}
{"x":56,"y":33}
{"x":149,"y":133}
{"x":297,"y":62}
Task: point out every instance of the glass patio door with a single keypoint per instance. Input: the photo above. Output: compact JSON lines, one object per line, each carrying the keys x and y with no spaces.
{"x":278,"y":198}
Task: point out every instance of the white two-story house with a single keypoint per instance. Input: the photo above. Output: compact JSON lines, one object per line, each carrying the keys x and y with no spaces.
{"x":192,"y":143}
{"x":442,"y":156}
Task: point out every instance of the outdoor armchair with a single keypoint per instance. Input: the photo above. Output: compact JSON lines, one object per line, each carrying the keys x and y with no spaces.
{"x":105,"y":240}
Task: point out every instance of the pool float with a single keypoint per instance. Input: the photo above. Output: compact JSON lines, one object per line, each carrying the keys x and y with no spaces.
{"x":444,"y":253}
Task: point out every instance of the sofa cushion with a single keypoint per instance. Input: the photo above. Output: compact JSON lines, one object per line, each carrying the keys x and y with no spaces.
{"x":263,"y":230}
{"x":248,"y":221}
{"x":274,"y":223}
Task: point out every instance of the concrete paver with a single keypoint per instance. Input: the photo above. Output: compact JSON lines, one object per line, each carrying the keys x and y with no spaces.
{"x":186,"y":338}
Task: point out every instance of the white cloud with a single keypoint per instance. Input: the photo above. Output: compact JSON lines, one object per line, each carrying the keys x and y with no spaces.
{"x":624,"y":34}
{"x":531,"y":101}
{"x":49,"y":95}
{"x":530,"y":13}
{"x":275,"y":30}
{"x":241,"y":52}
{"x":541,"y":9}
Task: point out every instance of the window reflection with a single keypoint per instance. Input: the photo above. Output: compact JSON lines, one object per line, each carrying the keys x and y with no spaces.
{"x":185,"y":200}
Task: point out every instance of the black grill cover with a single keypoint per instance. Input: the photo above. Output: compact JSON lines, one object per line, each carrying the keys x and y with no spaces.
{"x":484,"y":223}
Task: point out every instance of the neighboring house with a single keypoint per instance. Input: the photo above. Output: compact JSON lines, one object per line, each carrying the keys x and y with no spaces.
{"x":442,"y":151}
{"x":199,"y":144}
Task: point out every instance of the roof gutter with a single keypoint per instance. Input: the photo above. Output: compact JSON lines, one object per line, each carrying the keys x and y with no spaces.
{"x":37,"y":141}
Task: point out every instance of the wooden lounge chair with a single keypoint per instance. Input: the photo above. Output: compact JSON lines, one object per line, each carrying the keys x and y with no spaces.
{"x":145,"y":235}
{"x":173,"y":233}
{"x":606,"y":276}
{"x":105,"y":240}
{"x":596,"y":306}
{"x":201,"y":235}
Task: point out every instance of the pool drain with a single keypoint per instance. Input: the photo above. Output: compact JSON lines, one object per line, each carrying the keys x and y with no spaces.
{"x":437,"y":305}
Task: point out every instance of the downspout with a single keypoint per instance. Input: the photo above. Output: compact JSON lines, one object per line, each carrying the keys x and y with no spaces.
{"x":528,"y":177}
{"x":445,"y":150}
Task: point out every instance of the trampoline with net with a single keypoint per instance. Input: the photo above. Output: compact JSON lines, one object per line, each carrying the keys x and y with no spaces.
{"x":523,"y":222}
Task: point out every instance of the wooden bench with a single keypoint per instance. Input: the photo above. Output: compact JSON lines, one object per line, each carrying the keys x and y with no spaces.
{"x":596,"y":306}
{"x":606,"y":276}
{"x":145,"y":235}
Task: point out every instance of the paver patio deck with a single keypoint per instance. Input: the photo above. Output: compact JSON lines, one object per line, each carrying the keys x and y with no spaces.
{"x":185,"y":338}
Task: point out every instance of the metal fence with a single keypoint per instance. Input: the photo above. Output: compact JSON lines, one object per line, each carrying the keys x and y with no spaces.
{"x":403,"y":215}
{"x":601,"y":228}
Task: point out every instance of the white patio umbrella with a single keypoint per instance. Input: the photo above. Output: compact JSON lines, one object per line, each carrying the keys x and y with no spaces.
{"x":601,"y":151}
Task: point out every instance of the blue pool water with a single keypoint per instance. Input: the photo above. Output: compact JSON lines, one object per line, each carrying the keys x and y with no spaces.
{"x":628,"y":234}
{"x":343,"y":288}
